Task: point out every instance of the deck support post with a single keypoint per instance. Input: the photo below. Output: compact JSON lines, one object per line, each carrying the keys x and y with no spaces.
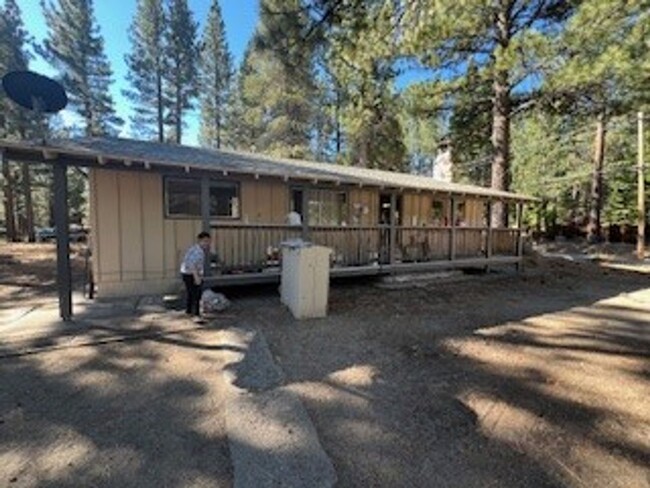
{"x":305,"y":214}
{"x":205,"y":221}
{"x":489,"y":237}
{"x":393,"y":228}
{"x":520,"y":235}
{"x":452,"y":229}
{"x":63,"y":273}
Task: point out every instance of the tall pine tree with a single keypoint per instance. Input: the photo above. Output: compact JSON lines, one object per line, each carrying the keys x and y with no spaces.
{"x":181,"y":55}
{"x":75,"y":47}
{"x":14,"y":122}
{"x":277,"y":81}
{"x":146,"y":68}
{"x":503,"y":38}
{"x":216,"y":72}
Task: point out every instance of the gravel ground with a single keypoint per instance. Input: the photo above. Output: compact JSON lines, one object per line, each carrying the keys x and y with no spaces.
{"x":532,"y":380}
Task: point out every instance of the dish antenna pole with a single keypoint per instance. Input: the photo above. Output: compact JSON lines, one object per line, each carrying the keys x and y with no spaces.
{"x":42,"y":95}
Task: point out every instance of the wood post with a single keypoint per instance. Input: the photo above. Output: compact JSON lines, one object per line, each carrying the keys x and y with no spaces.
{"x":305,"y":214}
{"x":63,"y":274}
{"x":393,"y":228}
{"x":205,"y":221}
{"x":640,"y":242}
{"x":520,"y":234}
{"x":489,"y":235}
{"x":452,"y":230}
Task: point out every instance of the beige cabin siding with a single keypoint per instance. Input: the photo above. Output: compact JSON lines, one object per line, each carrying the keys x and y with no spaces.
{"x":138,"y":250}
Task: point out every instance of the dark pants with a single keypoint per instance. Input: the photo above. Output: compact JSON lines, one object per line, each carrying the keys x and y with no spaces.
{"x":193,"y":294}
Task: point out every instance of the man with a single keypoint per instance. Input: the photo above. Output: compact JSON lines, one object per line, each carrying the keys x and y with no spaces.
{"x":192,"y":272}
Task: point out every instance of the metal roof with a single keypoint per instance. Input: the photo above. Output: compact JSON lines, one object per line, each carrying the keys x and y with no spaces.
{"x":151,"y":154}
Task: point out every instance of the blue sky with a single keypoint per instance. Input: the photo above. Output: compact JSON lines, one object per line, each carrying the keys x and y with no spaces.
{"x":114,"y":18}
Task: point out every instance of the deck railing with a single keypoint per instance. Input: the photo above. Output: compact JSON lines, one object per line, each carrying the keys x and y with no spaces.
{"x":256,"y":248}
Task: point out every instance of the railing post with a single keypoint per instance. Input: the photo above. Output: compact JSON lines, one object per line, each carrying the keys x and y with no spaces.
{"x":489,"y":235}
{"x":305,"y":214}
{"x":205,"y":221}
{"x":520,"y":235}
{"x":393,"y":228}
{"x":452,"y":230}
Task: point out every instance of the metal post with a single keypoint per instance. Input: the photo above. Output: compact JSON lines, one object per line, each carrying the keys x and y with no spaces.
{"x":63,"y":274}
{"x":393,"y":228}
{"x":305,"y":214}
{"x":640,"y":242}
{"x":452,"y":230}
{"x":205,"y":221}
{"x":520,"y":234}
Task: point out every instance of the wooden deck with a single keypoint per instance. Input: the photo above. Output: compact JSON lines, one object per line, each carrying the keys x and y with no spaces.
{"x":251,"y":253}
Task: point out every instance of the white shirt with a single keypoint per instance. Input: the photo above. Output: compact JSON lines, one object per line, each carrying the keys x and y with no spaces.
{"x":194,"y":260}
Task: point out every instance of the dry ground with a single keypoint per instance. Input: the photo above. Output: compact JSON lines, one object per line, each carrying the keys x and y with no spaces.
{"x":540,"y":379}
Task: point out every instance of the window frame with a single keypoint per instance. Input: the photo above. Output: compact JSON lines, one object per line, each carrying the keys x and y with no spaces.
{"x":170,"y":216}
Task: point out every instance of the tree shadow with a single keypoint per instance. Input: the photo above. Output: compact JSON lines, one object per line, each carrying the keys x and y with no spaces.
{"x":476,"y":383}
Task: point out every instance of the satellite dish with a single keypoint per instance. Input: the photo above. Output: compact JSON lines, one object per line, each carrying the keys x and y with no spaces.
{"x":35,"y":92}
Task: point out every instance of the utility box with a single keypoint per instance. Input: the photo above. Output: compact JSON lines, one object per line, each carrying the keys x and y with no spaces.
{"x":305,"y":279}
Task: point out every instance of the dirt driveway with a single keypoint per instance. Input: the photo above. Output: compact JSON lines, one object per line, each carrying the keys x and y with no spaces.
{"x":540,"y":379}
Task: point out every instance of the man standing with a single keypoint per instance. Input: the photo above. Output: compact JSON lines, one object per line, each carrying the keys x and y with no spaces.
{"x":192,"y":272}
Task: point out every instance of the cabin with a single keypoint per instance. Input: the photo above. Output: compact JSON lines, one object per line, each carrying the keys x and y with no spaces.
{"x":148,"y":201}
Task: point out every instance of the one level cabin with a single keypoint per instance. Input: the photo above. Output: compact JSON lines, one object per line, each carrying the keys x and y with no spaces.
{"x":148,"y":201}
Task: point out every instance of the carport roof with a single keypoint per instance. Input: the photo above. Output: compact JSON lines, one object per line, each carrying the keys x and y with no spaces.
{"x":153,"y":155}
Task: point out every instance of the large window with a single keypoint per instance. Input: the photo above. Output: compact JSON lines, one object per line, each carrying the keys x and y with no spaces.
{"x":183,"y":198}
{"x":326,"y":207}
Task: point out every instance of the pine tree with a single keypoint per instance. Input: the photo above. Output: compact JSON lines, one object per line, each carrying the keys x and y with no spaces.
{"x":146,"y":68}
{"x":14,"y":121}
{"x":75,"y":47}
{"x":216,"y":73}
{"x":504,"y":38}
{"x":277,"y":82}
{"x":181,"y":69}
{"x":599,"y":73}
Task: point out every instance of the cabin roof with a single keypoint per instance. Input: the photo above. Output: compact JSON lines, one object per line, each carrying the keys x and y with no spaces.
{"x":152,"y":155}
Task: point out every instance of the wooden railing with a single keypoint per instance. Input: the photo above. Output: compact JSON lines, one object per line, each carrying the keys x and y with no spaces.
{"x":351,"y":246}
{"x":504,"y":242}
{"x":255,"y":247}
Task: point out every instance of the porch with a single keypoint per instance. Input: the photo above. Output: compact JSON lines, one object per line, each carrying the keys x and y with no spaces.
{"x":251,"y":253}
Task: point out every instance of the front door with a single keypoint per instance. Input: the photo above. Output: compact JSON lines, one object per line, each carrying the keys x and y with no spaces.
{"x":384,"y":225}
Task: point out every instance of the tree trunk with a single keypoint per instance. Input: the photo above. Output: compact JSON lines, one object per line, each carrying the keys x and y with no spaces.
{"x":9,"y":201}
{"x":29,"y":206}
{"x":159,"y":103}
{"x":501,"y":121}
{"x":594,"y":230}
{"x":501,"y":145}
{"x":179,"y":121}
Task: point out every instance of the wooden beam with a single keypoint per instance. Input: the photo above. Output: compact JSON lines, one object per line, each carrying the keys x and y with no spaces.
{"x":452,"y":229}
{"x":63,"y":273}
{"x":490,"y":231}
{"x":520,"y":233}
{"x":205,"y":218}
{"x":305,"y":214}
{"x":393,"y":229}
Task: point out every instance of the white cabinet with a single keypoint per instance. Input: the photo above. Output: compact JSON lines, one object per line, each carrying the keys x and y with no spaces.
{"x":305,"y":279}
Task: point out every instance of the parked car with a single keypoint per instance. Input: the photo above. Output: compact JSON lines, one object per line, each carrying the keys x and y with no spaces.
{"x":45,"y":234}
{"x":76,"y":234}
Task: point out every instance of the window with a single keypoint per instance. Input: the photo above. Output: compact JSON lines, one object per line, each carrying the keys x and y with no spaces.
{"x":224,"y":199}
{"x":326,"y":207}
{"x":183,"y":198}
{"x":438,"y":213}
